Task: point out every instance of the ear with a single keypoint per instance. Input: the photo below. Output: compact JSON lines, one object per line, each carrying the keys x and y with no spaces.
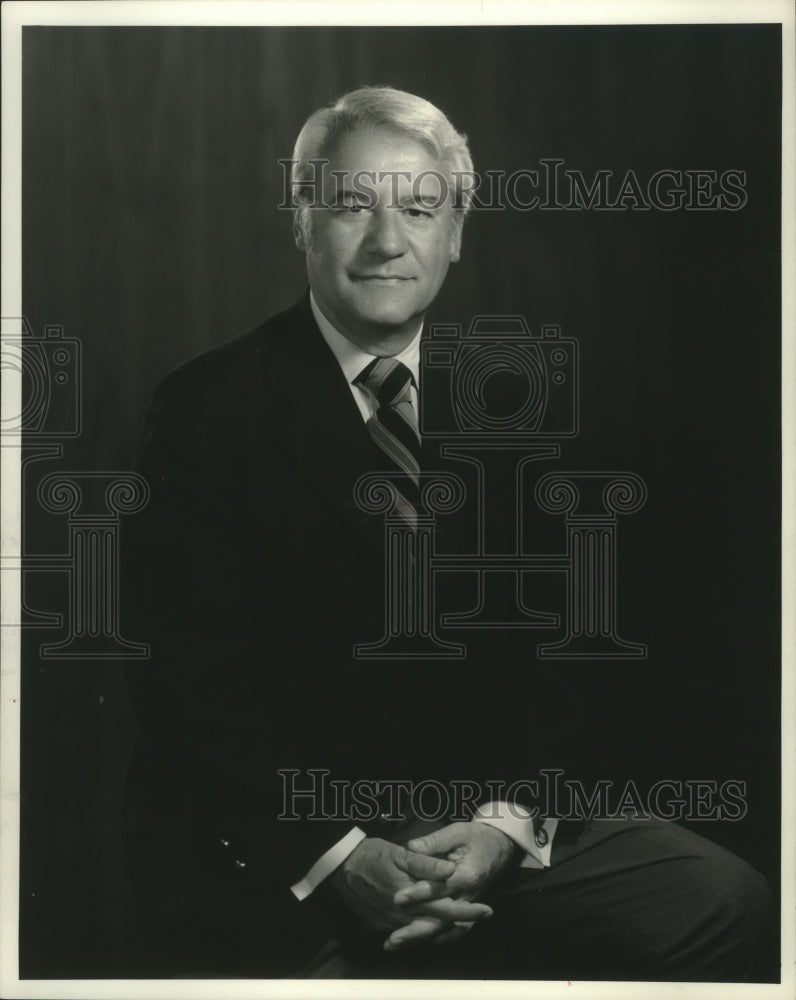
{"x":299,"y":232}
{"x":455,"y":246}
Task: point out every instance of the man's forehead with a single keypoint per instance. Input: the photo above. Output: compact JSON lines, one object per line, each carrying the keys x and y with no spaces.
{"x":377,"y":165}
{"x":381,"y":151}
{"x":425,"y":182}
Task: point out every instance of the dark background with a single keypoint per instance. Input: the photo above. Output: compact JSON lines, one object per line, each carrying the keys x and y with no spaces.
{"x":150,"y":186}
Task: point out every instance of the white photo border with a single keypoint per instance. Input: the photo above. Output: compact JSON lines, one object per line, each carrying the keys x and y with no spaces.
{"x":18,"y":13}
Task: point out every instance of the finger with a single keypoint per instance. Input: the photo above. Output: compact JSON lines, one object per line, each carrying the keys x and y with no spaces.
{"x":453,"y":910}
{"x":438,"y":842}
{"x":456,"y":933}
{"x":460,"y":885}
{"x":420,"y":929}
{"x":421,"y":866}
{"x":420,"y":892}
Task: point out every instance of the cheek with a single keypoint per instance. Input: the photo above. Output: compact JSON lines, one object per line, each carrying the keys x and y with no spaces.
{"x":439,"y":253}
{"x":339,"y":251}
{"x":438,"y":265}
{"x":327,"y":262}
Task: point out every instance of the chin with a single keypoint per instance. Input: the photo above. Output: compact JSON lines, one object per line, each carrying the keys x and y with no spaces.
{"x":386,"y":314}
{"x":387,"y":320}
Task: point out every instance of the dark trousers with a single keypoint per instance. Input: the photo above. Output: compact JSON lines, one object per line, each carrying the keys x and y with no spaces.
{"x":622,"y":900}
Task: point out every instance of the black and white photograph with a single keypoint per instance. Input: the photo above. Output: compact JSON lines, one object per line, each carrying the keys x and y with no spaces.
{"x":397,"y":432}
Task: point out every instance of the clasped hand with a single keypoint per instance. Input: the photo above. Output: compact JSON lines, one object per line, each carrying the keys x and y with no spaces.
{"x":417,"y":895}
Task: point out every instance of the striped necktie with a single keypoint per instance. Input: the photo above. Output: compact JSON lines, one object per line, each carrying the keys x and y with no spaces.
{"x":394,"y":429}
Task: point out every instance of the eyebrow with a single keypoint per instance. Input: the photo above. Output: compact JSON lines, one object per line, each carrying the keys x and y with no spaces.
{"x":428,"y":201}
{"x":371,"y":197}
{"x":351,"y":193}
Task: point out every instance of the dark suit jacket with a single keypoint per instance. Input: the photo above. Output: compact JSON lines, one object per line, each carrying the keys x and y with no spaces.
{"x":252,"y":573}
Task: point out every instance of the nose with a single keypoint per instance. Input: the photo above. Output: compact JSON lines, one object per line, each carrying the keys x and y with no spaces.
{"x":385,"y":236}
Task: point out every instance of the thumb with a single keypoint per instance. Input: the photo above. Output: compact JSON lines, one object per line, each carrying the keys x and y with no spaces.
{"x":438,"y":842}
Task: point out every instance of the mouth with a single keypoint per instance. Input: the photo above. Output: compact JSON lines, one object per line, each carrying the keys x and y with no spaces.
{"x":381,"y":279}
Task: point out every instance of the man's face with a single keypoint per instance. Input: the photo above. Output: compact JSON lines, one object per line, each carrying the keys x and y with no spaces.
{"x":378,"y":255}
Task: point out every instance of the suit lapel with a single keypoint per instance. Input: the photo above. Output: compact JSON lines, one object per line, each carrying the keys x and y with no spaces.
{"x":313,"y":415}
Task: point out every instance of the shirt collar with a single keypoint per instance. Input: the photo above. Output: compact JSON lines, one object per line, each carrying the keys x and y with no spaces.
{"x":352,"y":359}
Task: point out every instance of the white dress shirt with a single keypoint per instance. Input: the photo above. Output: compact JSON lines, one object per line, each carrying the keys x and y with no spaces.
{"x":510,"y":818}
{"x":353,"y":360}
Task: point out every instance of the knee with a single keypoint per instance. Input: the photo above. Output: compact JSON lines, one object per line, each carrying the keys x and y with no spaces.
{"x":748,"y":903}
{"x":717,"y":930}
{"x":739,"y":915}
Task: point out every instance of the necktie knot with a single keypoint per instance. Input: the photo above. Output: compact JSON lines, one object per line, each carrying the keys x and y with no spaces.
{"x":387,"y":380}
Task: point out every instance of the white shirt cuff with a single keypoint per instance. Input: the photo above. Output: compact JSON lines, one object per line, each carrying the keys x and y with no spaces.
{"x":327,"y":863}
{"x":516,"y":822}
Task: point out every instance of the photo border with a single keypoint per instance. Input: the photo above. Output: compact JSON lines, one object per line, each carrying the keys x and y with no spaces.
{"x":18,"y":13}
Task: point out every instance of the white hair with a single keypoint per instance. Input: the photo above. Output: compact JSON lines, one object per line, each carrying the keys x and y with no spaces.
{"x":370,"y":107}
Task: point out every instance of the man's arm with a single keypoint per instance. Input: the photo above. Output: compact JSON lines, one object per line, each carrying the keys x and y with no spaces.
{"x":210,"y":699}
{"x":533,"y":835}
{"x":210,"y":696}
{"x":366,"y":874}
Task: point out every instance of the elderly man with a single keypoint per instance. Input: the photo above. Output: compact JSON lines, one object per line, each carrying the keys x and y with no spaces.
{"x":254,"y":575}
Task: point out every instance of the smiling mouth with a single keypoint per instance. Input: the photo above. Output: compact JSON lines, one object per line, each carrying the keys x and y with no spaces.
{"x":386,"y":279}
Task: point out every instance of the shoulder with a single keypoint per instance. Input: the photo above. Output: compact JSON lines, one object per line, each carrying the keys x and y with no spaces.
{"x":216,"y":395}
{"x":233,"y":368}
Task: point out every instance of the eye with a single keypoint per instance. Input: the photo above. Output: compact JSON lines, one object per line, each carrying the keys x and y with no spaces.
{"x":348,"y":207}
{"x":418,"y":213}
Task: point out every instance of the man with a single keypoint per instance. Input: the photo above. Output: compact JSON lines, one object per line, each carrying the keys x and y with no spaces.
{"x":254,"y":574}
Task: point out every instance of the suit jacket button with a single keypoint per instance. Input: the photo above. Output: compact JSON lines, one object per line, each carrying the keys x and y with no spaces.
{"x":541,"y":837}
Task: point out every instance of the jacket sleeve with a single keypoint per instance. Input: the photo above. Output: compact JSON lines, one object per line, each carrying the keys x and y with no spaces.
{"x":211,"y":697}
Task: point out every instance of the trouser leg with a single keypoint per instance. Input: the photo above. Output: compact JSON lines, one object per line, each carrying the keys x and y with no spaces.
{"x":626,"y":900}
{"x":629,"y":899}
